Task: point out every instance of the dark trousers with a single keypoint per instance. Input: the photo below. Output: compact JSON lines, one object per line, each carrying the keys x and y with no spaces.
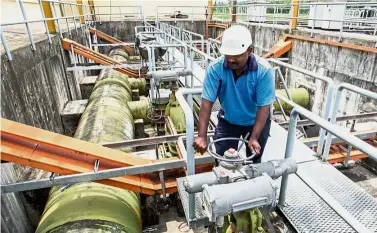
{"x":225,"y":129}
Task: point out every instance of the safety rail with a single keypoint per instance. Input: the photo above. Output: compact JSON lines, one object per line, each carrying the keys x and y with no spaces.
{"x":311,"y":15}
{"x":60,"y":16}
{"x":338,"y":94}
{"x":213,"y":47}
{"x":340,"y":133}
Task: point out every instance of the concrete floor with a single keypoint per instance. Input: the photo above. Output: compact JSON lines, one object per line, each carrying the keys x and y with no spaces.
{"x":365,"y":178}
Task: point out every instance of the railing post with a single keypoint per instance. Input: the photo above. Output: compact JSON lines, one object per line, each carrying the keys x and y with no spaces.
{"x":295,"y":9}
{"x":81,"y":12}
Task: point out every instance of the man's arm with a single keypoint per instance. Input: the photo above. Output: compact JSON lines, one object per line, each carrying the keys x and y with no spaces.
{"x":265,"y":97}
{"x":209,"y":95}
{"x":262,"y":114}
{"x":204,"y":115}
{"x":200,"y":142}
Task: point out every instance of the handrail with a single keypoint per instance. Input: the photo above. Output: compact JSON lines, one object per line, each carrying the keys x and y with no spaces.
{"x":338,"y":95}
{"x":187,"y":107}
{"x":329,"y":96}
{"x":336,"y":130}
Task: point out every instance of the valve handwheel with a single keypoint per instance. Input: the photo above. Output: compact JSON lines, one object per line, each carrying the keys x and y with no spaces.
{"x":230,"y":156}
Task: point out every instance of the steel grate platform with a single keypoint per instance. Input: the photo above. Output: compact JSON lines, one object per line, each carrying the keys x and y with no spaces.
{"x":304,"y":204}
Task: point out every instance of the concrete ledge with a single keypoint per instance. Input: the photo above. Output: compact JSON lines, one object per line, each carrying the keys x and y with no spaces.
{"x":71,"y":115}
{"x":86,"y":86}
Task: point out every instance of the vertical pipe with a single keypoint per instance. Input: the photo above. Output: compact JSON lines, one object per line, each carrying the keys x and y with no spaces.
{"x":295,"y":9}
{"x":4,"y":42}
{"x":62,"y":6}
{"x":288,"y":154}
{"x":27,"y":24}
{"x":57,"y":20}
{"x":74,"y":18}
{"x":315,"y":13}
{"x":44,"y":21}
{"x":322,"y":132}
{"x":341,"y":26}
{"x":338,"y":96}
{"x":234,"y":11}
{"x":120,"y":14}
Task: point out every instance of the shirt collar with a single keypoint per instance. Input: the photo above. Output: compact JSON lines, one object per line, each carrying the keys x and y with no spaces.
{"x":251,"y":64}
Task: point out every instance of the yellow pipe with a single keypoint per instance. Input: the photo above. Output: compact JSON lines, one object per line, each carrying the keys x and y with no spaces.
{"x":81,"y":12}
{"x":48,"y":14}
{"x":295,"y":10}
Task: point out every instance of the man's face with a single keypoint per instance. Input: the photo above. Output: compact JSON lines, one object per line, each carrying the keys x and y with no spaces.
{"x":238,"y":62}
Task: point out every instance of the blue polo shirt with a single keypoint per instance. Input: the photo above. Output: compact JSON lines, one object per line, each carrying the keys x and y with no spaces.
{"x":241,"y":97}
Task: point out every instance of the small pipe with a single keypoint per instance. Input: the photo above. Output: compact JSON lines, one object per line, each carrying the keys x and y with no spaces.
{"x":44,"y":21}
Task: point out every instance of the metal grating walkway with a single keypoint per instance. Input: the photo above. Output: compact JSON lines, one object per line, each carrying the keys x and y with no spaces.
{"x":304,"y":204}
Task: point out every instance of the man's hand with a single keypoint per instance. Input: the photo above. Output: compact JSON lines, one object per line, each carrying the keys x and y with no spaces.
{"x":200,"y":144}
{"x":254,"y":146}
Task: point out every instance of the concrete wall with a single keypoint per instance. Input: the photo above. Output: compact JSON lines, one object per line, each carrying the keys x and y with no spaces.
{"x":35,"y":85}
{"x":34,"y":90}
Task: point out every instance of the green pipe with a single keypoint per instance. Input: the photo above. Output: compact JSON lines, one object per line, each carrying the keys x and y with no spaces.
{"x":139,"y":84}
{"x":94,"y":207}
{"x":299,"y":95}
{"x":140,"y":108}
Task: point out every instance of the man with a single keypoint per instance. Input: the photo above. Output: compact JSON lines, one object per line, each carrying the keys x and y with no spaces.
{"x":245,"y":86}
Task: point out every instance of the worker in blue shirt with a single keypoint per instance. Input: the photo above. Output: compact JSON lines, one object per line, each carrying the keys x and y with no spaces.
{"x":245,"y":86}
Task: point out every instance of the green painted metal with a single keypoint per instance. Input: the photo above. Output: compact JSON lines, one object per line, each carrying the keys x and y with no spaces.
{"x":93,"y":207}
{"x":174,"y":111}
{"x":140,"y":108}
{"x":249,"y":221}
{"x":139,"y":84}
{"x":299,"y":95}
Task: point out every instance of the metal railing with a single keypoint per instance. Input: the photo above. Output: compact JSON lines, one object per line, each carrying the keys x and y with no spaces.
{"x":340,"y":133}
{"x":360,"y":17}
{"x":339,"y":89}
{"x":67,"y":16}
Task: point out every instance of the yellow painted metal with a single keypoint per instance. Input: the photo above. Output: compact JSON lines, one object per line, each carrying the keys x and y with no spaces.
{"x":210,"y":9}
{"x":81,"y":12}
{"x":295,"y":10}
{"x":48,"y":14}
{"x":279,"y":49}
{"x":92,"y":9}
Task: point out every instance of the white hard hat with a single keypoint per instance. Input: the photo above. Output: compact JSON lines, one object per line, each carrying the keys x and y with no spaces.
{"x":236,"y":40}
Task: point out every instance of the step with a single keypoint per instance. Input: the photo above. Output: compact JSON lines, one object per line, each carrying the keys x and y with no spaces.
{"x":86,"y":86}
{"x":71,"y":115}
